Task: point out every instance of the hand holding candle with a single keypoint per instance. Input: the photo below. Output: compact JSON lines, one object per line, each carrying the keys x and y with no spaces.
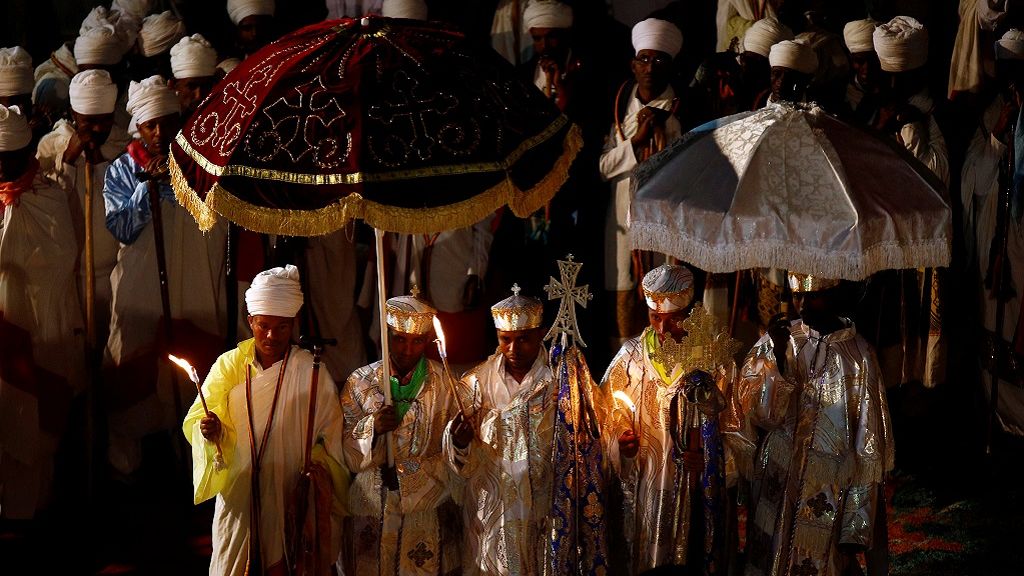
{"x":218,"y":462}
{"x":625,"y":400}
{"x":442,"y":351}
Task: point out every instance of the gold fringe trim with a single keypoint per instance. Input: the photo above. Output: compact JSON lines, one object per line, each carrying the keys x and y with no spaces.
{"x":389,"y":218}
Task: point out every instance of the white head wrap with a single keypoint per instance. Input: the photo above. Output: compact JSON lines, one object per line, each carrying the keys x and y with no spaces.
{"x":135,"y":8}
{"x":546,"y":14}
{"x":668,"y":288}
{"x":150,"y":99}
{"x":795,"y":56}
{"x":1011,"y":45}
{"x":412,"y":9}
{"x":660,"y":35}
{"x":409,"y":314}
{"x":99,"y":45}
{"x":228,"y":64}
{"x":93,"y":92}
{"x":858,"y":35}
{"x":193,"y":57}
{"x":275,"y":292}
{"x":96,"y":18}
{"x":901,"y":44}
{"x":238,"y":10}
{"x":517,"y":312}
{"x":159,"y":33}
{"x":14,"y":131}
{"x":764,"y":33}
{"x":15,"y":72}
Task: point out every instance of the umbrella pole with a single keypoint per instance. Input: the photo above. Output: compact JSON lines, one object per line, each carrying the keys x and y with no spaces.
{"x":385,"y":353}
{"x":735,"y":303}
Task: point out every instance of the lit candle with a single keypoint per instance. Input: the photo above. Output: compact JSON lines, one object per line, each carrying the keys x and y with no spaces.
{"x":218,"y":461}
{"x":442,"y":351}
{"x":624,"y":398}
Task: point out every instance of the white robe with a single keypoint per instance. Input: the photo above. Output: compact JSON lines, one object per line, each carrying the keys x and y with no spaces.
{"x":196,"y":286}
{"x":282,"y":459}
{"x":980,"y":195}
{"x":38,"y":294}
{"x":616,"y":165}
{"x":507,"y":469}
{"x":924,"y":139}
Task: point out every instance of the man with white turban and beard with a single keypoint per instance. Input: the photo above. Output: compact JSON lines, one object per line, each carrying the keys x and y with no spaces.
{"x":862,"y":90}
{"x":254,"y":24}
{"x":140,"y":378}
{"x":194,"y":65}
{"x":793,"y":65}
{"x":757,"y":45}
{"x":63,"y":155}
{"x":403,"y":519}
{"x":158,"y":34}
{"x":41,"y":360}
{"x":249,"y":439}
{"x":645,"y":122}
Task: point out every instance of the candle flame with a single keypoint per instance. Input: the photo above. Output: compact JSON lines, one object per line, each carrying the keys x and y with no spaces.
{"x":625,"y":399}
{"x":188,"y":368}
{"x":442,"y":347}
{"x":180,"y":362}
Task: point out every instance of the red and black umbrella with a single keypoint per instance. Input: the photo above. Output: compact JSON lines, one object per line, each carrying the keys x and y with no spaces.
{"x":402,"y":123}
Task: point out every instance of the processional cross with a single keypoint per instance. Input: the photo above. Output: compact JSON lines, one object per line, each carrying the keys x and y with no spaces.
{"x":570,"y":294}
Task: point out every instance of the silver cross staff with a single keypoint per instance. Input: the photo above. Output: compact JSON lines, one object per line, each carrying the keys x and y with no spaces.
{"x":565,"y":322}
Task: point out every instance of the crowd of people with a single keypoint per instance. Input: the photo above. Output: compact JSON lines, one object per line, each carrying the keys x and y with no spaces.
{"x":424,"y":476}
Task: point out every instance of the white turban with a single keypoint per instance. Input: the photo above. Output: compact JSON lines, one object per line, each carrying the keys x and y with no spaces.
{"x":660,"y":35}
{"x":857,"y":35}
{"x":275,"y":292}
{"x":763,"y":34}
{"x":411,"y":9}
{"x":795,"y":56}
{"x":546,"y":14}
{"x":159,"y":33}
{"x":96,"y":18}
{"x":15,"y":72}
{"x":14,"y":131}
{"x":150,"y":99}
{"x":668,"y":288}
{"x":135,"y":8}
{"x":193,"y":57}
{"x":409,"y":314}
{"x":901,"y":44}
{"x":238,"y":10}
{"x":1011,"y":45}
{"x":93,"y":92}
{"x":98,"y":46}
{"x":228,"y":64}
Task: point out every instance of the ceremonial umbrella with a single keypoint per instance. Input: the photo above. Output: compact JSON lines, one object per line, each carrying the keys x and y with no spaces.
{"x":791,"y":187}
{"x":402,"y":123}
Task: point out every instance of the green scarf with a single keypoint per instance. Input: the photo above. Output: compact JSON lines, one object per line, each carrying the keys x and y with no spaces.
{"x":402,"y":396}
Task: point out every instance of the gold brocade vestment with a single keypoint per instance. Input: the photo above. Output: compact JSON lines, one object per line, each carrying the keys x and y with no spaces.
{"x":816,"y":443}
{"x":414,"y":530}
{"x":660,"y":526}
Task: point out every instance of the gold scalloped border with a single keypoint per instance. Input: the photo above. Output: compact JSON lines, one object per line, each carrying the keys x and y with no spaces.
{"x":389,"y":218}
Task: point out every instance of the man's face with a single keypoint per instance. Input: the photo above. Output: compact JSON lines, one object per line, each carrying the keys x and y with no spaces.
{"x":191,"y":92}
{"x":13,"y":163}
{"x":814,"y":307}
{"x":93,"y":129}
{"x":550,"y":42}
{"x":865,"y":68}
{"x":273,"y":334}
{"x":22,"y":101}
{"x":158,"y":133}
{"x":254,"y":32}
{"x":406,"y":349}
{"x":651,"y":70}
{"x":520,"y":347}
{"x":787,"y":84}
{"x":668,"y":323}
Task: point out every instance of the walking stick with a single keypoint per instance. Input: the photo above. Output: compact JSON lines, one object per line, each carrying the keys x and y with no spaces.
{"x":90,"y":263}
